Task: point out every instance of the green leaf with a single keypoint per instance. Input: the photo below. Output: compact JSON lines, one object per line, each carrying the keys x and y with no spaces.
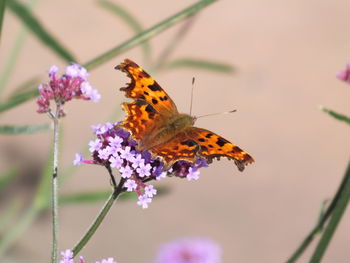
{"x":2,"y":11}
{"x":101,"y":196}
{"x":28,"y":19}
{"x":147,"y":34}
{"x":198,"y":64}
{"x":7,"y":177}
{"x":129,"y":19}
{"x":15,"y":130}
{"x":336,"y":115}
{"x":19,"y":99}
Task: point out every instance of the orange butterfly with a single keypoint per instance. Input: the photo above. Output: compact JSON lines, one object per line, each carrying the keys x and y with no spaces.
{"x":154,"y":122}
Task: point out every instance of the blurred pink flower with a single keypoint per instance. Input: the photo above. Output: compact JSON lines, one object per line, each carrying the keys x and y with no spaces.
{"x":190,"y":250}
{"x":345,"y":74}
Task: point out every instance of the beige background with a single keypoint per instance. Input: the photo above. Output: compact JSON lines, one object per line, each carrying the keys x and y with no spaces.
{"x":287,"y":54}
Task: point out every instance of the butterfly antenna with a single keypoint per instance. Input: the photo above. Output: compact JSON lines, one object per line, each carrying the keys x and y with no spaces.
{"x":218,"y":113}
{"x":193,"y":80}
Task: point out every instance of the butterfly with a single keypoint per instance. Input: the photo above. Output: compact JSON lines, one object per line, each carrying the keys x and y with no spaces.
{"x":155,"y":123}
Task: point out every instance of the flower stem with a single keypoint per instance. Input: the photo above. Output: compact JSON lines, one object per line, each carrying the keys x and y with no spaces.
{"x":324,"y":218}
{"x":54,"y":198}
{"x":97,"y":222}
{"x":339,"y":210}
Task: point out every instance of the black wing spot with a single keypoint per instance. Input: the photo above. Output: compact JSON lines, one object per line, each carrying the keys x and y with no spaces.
{"x":201,"y":140}
{"x":210,"y":146}
{"x":204,"y":148}
{"x":145,"y":92}
{"x":154,"y":101}
{"x":150,"y":109}
{"x":142,"y":97}
{"x":189,"y":143}
{"x":208,"y":135}
{"x":163,"y":98}
{"x":154,"y":87}
{"x":221,"y":142}
{"x":143,"y":121}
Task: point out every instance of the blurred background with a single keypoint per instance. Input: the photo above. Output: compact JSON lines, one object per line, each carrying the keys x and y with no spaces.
{"x":285,"y":56}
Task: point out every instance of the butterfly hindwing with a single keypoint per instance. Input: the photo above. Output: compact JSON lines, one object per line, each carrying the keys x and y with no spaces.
{"x":213,"y":145}
{"x":180,"y":147}
{"x":144,"y":87}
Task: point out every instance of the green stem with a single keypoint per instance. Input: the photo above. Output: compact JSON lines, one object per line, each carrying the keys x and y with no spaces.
{"x":321,"y":222}
{"x":54,"y":199}
{"x":2,"y":11}
{"x":147,"y":34}
{"x":334,"y":221}
{"x":97,"y":222}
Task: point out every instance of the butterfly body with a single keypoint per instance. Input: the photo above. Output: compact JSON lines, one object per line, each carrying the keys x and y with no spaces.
{"x":155,"y":123}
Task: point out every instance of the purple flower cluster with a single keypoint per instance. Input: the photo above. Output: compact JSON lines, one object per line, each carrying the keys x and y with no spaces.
{"x":190,"y":250}
{"x":115,"y":148}
{"x":67,"y":257}
{"x":72,"y":84}
{"x":345,"y":74}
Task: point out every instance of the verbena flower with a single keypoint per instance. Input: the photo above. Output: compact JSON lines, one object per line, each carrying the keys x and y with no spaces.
{"x":67,"y":257}
{"x":345,"y":74}
{"x":114,"y":147}
{"x":190,"y":250}
{"x":72,"y":84}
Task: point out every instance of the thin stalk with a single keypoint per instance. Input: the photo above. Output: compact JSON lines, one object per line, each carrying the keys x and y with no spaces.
{"x":147,"y":34}
{"x":97,"y":222}
{"x":334,"y":221}
{"x":54,"y":200}
{"x":2,"y":11}
{"x":322,"y":221}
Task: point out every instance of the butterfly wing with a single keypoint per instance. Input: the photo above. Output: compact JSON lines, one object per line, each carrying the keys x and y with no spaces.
{"x":141,"y":119}
{"x":180,"y":147}
{"x":196,"y":142}
{"x":213,"y":145}
{"x":144,"y":87}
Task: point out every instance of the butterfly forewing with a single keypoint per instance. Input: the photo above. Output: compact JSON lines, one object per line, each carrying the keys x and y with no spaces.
{"x":144,"y":87}
{"x":141,"y":118}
